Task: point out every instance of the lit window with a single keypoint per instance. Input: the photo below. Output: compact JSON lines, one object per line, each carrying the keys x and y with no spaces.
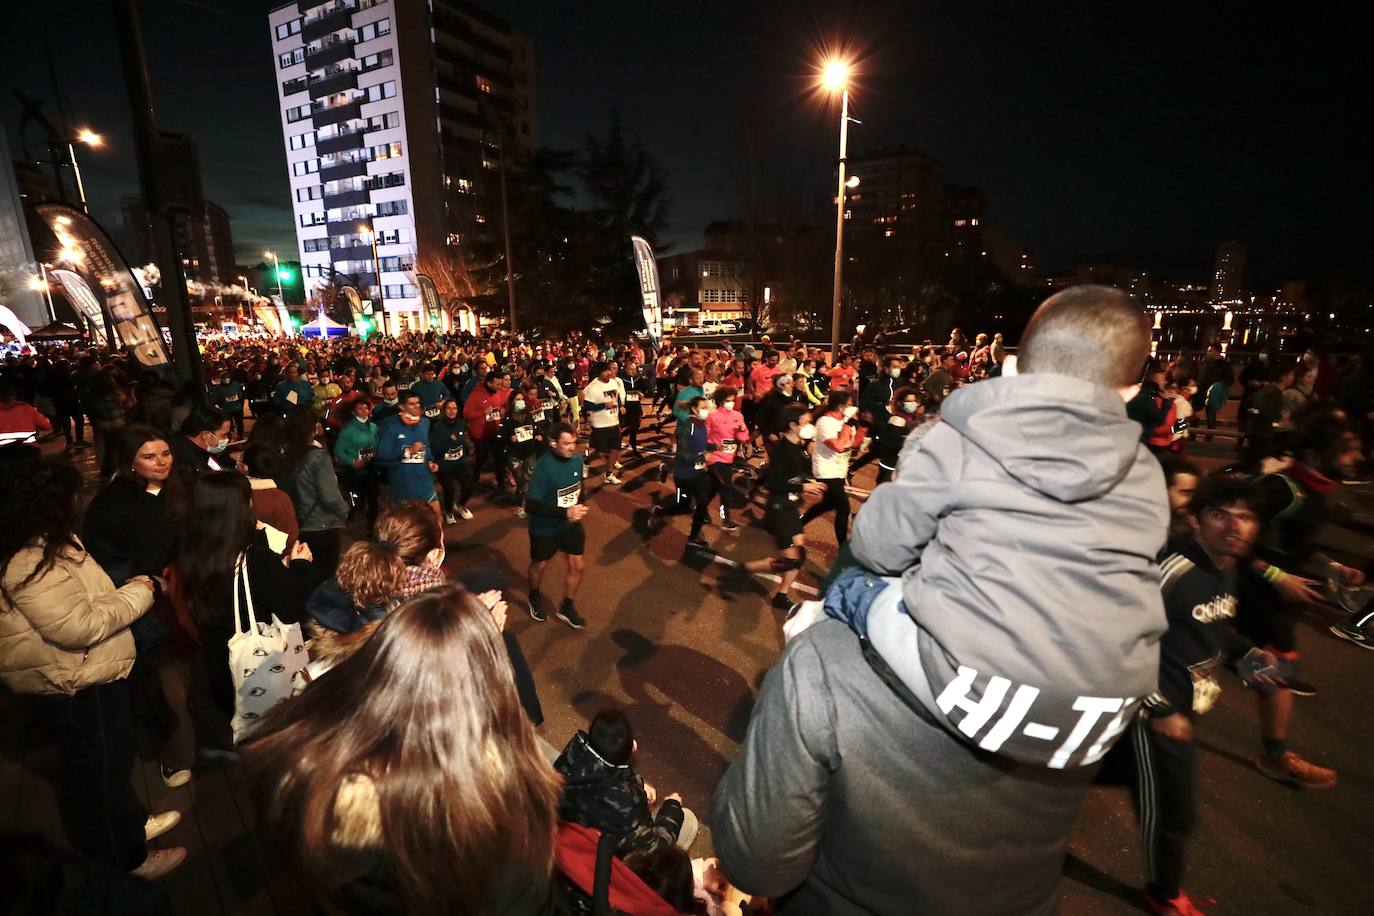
{"x":973,"y":222}
{"x":484,"y":84}
{"x":479,"y":217}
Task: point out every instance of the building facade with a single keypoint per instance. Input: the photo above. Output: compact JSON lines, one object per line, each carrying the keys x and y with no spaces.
{"x":900,"y":197}
{"x":205,"y":246}
{"x":395,"y":114}
{"x":1228,"y":274}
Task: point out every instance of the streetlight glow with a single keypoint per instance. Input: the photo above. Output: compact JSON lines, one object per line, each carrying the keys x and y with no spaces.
{"x":89,"y":137}
{"x":835,"y":74}
{"x":37,"y":284}
{"x":852,"y":182}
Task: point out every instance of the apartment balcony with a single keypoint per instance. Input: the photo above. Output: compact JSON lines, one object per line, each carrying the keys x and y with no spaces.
{"x":338,"y":114}
{"x":337,"y":81}
{"x":330,"y":53}
{"x":339,"y":16}
{"x":345,"y":199}
{"x":356,"y":252}
{"x":305,"y":6}
{"x":347,"y":226}
{"x":343,"y":170}
{"x":346,"y":140}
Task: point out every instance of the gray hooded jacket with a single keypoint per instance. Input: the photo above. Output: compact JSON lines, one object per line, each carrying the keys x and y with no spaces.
{"x":1024,"y":527}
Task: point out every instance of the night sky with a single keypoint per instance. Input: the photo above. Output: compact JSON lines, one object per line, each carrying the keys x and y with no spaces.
{"x":1139,"y":136}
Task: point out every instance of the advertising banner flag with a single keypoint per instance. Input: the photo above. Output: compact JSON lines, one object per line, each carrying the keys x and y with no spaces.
{"x":648,"y":288}
{"x":429,"y":294}
{"x":87,"y":251}
{"x":79,"y":294}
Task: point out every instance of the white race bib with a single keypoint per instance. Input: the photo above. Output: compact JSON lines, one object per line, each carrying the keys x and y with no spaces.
{"x":729,"y":446}
{"x":454,"y":454}
{"x":632,"y":397}
{"x":568,"y":496}
{"x":292,"y":397}
{"x":523,"y":434}
{"x":415,"y":457}
{"x":432,"y":412}
{"x":494,"y":415}
{"x":230,"y":398}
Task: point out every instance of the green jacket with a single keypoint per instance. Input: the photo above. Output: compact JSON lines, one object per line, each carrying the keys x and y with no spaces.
{"x":353,"y":438}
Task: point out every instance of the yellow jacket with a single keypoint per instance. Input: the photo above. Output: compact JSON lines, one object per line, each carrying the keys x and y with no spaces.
{"x":69,"y":627}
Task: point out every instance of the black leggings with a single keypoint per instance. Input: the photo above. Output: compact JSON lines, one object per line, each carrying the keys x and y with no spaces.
{"x":692,"y":495}
{"x":456,"y":477}
{"x":723,"y":483}
{"x":630,"y":426}
{"x":1165,"y":803}
{"x":835,"y":498}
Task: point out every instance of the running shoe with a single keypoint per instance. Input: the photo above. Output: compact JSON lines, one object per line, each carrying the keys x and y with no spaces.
{"x":663,"y":472}
{"x":698,"y":542}
{"x":568,"y":614}
{"x":1296,"y":771}
{"x":158,"y":824}
{"x":520,"y":512}
{"x":538,"y":610}
{"x":174,"y":779}
{"x":612,"y":479}
{"x":464,"y":513}
{"x":1182,"y":905}
{"x":618,"y":465}
{"x":159,"y":863}
{"x":1360,"y":636}
{"x":729,"y":526}
{"x":450,"y":518}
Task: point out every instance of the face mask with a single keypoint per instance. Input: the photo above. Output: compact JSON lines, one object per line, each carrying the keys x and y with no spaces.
{"x":851,"y":412}
{"x":362,"y":419}
{"x":218,"y":447}
{"x":808,"y":431}
{"x":895,"y":372}
{"x":909,"y":406}
{"x":391,"y":402}
{"x":703,"y":414}
{"x":729,"y":405}
{"x":520,"y":405}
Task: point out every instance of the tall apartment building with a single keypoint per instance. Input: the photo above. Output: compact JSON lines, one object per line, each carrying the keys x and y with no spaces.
{"x":1228,"y":274}
{"x":900,"y":196}
{"x":393,"y":114}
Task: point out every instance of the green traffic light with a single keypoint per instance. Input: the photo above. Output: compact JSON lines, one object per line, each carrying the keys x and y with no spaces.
{"x":284,"y":274}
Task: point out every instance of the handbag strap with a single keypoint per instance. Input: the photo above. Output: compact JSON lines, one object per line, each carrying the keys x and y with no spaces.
{"x":601,"y":880}
{"x":241,"y":578}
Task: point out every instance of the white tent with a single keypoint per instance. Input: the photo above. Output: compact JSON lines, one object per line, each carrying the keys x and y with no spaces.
{"x":323,"y":327}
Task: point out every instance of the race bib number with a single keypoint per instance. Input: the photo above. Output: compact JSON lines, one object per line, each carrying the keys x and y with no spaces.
{"x":729,"y":447}
{"x":523,"y":434}
{"x":612,"y":407}
{"x":1206,"y":686}
{"x":454,"y":454}
{"x":292,"y":397}
{"x":367,"y":454}
{"x":231,"y":398}
{"x":568,"y":496}
{"x":432,"y":412}
{"x":1180,"y":428}
{"x":494,"y":415}
{"x":415,"y":457}
{"x":632,"y":397}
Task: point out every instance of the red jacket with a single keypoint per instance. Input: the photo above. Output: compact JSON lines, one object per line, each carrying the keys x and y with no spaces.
{"x":484,"y":411}
{"x":575,"y":858}
{"x":20,"y":417}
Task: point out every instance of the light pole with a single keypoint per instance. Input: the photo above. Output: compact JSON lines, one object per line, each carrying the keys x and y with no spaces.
{"x":43,"y":285}
{"x":835,"y":78}
{"x":93,"y":140}
{"x":276,"y":269}
{"x":369,"y":232}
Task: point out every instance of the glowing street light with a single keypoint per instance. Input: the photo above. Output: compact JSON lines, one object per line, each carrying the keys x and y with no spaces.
{"x":835,"y":74}
{"x":41,"y":283}
{"x":94,"y":141}
{"x":276,"y":265}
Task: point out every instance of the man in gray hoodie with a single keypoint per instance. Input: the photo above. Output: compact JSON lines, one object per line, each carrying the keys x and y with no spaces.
{"x":928,"y":751}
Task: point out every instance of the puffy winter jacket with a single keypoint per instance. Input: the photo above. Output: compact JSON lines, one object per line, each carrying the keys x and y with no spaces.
{"x":1025,"y":527}
{"x":68,"y":627}
{"x":611,"y":798}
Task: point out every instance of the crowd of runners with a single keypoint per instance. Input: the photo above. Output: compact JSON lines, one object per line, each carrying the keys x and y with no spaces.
{"x":1040,"y":586}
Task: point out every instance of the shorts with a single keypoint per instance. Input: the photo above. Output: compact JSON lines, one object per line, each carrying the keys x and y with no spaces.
{"x":572,"y":540}
{"x":605,"y":438}
{"x":784,"y":522}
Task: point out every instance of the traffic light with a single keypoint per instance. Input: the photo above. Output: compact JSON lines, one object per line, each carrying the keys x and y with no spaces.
{"x":364,"y":328}
{"x":284,"y":275}
{"x":295,"y":324}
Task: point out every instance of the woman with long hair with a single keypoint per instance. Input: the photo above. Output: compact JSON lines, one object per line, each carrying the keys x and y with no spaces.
{"x":224,"y":535}
{"x":307,"y":474}
{"x":407,"y":777}
{"x":65,"y":643}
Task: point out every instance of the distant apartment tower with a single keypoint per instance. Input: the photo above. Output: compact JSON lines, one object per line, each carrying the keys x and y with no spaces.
{"x":900,"y":196}
{"x":205,"y":246}
{"x":1228,"y":276}
{"x":393,"y":113}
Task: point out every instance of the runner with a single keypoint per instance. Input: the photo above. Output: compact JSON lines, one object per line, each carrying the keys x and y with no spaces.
{"x":452,"y":450}
{"x":554,"y":504}
{"x":601,"y":401}
{"x":835,"y":433}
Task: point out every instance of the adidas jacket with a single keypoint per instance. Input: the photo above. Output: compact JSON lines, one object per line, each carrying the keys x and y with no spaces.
{"x":1200,"y":604}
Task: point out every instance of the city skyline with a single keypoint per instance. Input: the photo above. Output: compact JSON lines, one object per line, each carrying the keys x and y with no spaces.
{"x":1092,"y":174}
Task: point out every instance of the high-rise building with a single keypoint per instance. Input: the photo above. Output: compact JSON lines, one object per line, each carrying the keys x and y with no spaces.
{"x":900,"y":196}
{"x":205,"y":246}
{"x":394,"y":113}
{"x":1228,"y":276}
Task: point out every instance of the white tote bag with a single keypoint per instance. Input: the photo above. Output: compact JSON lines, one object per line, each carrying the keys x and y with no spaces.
{"x":262,"y":660}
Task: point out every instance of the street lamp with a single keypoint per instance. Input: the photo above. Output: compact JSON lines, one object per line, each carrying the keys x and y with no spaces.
{"x":276,"y":269}
{"x":94,"y":141}
{"x":42,"y":283}
{"x":369,"y":232}
{"x":835,"y":78}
